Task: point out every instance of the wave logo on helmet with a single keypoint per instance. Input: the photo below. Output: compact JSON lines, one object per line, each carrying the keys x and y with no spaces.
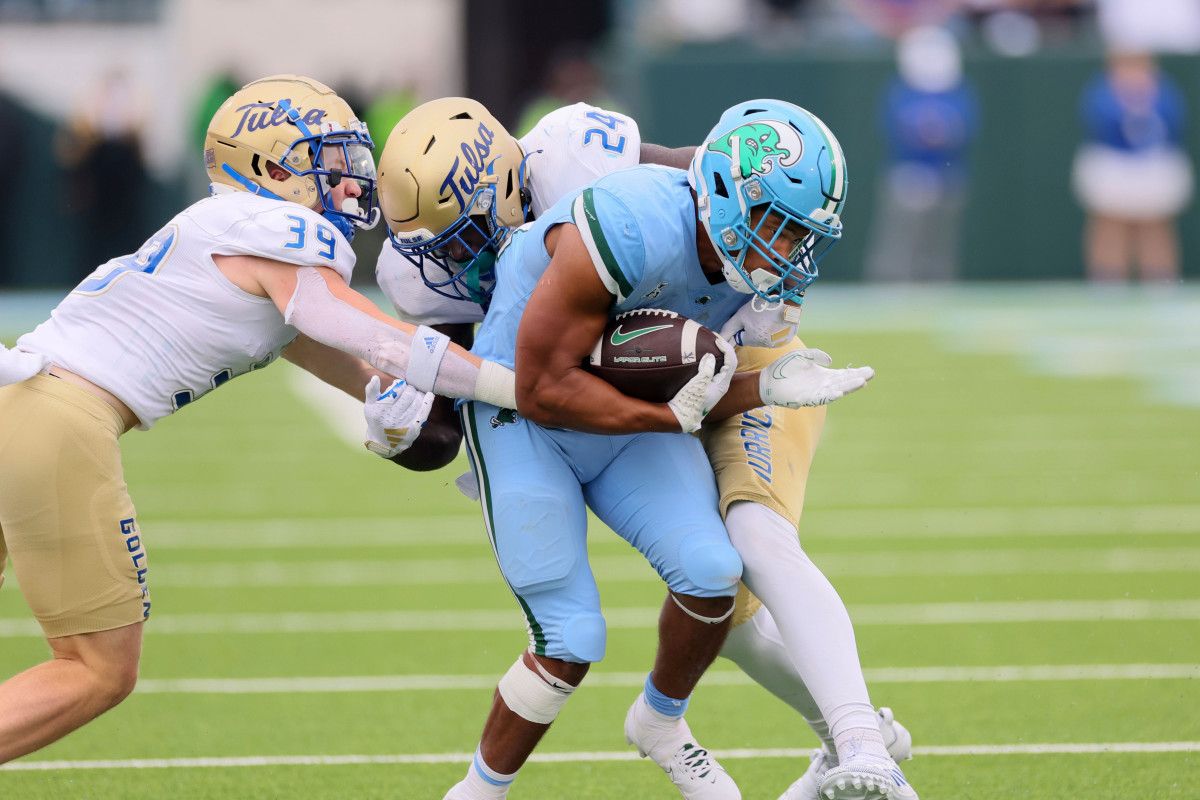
{"x":257,"y":116}
{"x":759,"y":145}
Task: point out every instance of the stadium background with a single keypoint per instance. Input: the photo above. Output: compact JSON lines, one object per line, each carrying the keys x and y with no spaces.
{"x":1011,"y":510}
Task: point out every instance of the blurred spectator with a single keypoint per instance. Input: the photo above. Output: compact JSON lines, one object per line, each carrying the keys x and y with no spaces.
{"x":13,"y":121}
{"x":1151,"y":27}
{"x":100,"y":150}
{"x":572,"y":77}
{"x":1020,"y":27}
{"x":929,"y":117}
{"x":1131,"y":173}
{"x":892,"y":18}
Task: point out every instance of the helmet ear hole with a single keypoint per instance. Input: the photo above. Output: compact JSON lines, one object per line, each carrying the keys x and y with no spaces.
{"x":274,"y":171}
{"x":719,"y":186}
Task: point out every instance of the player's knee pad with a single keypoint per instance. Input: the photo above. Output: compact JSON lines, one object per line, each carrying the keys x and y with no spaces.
{"x":533,"y":552}
{"x":584,"y":636}
{"x":710,"y":565}
{"x":530,"y":696}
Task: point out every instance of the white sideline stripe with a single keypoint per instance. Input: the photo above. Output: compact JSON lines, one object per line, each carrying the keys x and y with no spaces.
{"x":626,"y":568}
{"x":1065,"y":748}
{"x":503,"y":621}
{"x":874,"y":523}
{"x":423,"y":683}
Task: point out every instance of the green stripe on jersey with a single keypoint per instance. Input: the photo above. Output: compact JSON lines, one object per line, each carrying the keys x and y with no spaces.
{"x":601,"y":244}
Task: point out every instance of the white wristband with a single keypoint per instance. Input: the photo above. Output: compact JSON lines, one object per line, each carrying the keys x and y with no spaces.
{"x":425,"y":360}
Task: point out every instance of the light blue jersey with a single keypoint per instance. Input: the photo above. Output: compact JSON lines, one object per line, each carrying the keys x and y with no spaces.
{"x":639,"y":226}
{"x":655,"y":490}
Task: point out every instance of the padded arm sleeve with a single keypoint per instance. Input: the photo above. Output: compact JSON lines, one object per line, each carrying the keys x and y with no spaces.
{"x":315,"y":312}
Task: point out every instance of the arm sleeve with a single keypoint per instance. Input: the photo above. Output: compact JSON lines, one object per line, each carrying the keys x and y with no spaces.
{"x":318,"y":314}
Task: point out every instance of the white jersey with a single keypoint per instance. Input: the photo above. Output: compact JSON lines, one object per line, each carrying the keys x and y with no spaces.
{"x":568,"y":148}
{"x":163,"y":326}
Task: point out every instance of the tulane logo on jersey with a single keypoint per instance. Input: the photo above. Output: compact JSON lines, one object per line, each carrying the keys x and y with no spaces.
{"x":506,"y":416}
{"x":760,"y":145}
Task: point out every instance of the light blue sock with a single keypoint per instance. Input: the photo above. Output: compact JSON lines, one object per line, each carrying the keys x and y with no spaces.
{"x":667,"y":706}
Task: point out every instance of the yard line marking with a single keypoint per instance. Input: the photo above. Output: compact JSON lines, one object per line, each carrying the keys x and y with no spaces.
{"x":290,"y":533}
{"x":629,"y":567}
{"x":858,"y":523}
{"x":869,"y":523}
{"x":425,"y":683}
{"x":510,"y":619}
{"x":863,"y":524}
{"x":1064,"y":748}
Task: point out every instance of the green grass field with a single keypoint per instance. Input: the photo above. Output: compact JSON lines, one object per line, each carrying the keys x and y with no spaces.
{"x":1011,"y":511}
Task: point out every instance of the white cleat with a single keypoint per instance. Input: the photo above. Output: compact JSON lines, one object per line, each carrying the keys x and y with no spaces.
{"x":460,"y":791}
{"x":670,"y":744}
{"x":896,"y":737}
{"x":866,"y":778}
{"x":808,"y":786}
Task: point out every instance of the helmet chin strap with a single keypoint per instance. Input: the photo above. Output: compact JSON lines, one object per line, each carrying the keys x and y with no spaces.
{"x":760,"y":278}
{"x":734,"y":278}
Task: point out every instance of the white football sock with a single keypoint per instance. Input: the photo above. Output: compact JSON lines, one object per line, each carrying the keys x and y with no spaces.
{"x":812,"y":622}
{"x":756,"y":647}
{"x":484,"y":782}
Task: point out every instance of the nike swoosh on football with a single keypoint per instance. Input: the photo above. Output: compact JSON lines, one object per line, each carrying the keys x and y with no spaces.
{"x":619,"y":337}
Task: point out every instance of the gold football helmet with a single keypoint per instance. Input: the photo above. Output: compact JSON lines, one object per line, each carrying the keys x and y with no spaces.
{"x":451,"y":185}
{"x":289,"y":137}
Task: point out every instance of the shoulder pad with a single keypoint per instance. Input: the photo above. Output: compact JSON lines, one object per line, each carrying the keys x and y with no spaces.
{"x":276,"y":229}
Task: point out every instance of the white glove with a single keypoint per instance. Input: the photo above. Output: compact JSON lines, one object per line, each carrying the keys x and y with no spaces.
{"x":762,"y":324}
{"x":692,"y":403}
{"x":394,"y":417}
{"x":17,"y":365}
{"x":802,"y":378}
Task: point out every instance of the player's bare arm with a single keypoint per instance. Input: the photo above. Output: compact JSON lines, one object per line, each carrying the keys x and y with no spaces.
{"x":678,"y":157}
{"x":338,"y":369}
{"x":562,"y":321}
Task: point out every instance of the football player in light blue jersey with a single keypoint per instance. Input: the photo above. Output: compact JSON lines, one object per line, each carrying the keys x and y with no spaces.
{"x":632,"y":241}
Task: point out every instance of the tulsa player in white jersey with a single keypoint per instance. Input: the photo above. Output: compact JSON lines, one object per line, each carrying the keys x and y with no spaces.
{"x":260,"y":267}
{"x":490,"y":181}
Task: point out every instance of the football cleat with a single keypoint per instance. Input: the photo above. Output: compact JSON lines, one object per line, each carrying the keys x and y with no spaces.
{"x":808,"y":786}
{"x":866,"y":778}
{"x":896,"y":737}
{"x":669,"y":742}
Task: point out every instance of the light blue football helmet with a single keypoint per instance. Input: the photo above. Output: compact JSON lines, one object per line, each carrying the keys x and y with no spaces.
{"x":777,"y":157}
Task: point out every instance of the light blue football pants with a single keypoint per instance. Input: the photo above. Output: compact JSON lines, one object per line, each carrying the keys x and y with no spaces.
{"x":656,"y":490}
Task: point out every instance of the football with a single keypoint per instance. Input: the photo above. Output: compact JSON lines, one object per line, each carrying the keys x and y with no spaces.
{"x":651,"y":353}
